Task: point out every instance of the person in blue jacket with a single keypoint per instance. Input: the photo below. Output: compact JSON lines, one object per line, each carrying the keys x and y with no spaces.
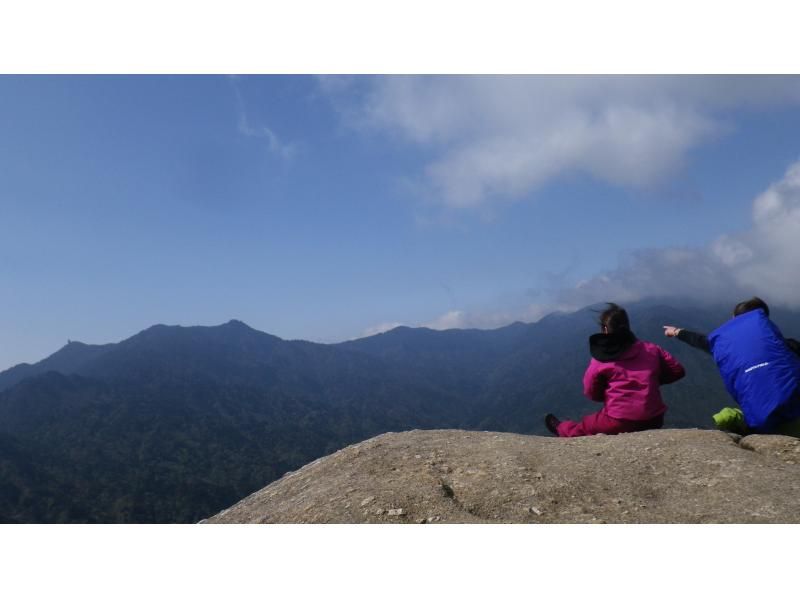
{"x":760,"y":369}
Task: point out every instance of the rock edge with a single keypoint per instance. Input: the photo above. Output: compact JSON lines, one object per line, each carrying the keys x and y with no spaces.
{"x":455,"y":476}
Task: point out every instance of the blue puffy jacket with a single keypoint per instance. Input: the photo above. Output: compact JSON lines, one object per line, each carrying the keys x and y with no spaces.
{"x":759,"y":371}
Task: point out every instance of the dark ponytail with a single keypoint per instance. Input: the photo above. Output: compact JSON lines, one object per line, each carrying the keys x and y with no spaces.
{"x":614,"y":319}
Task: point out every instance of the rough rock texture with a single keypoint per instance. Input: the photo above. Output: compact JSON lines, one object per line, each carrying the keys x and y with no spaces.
{"x":452,"y":476}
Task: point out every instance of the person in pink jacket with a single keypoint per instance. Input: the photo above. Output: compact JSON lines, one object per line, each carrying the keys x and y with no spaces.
{"x":625,"y":375}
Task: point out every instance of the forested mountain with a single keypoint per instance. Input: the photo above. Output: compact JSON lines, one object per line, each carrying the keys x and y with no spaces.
{"x":175,"y":423}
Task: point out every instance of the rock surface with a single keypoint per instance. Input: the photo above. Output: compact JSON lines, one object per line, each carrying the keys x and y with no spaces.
{"x":453,"y":476}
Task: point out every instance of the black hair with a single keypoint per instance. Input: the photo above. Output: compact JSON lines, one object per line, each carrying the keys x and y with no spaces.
{"x":613,"y":318}
{"x":750,"y":305}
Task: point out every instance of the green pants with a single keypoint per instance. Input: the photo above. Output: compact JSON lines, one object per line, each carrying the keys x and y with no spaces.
{"x":731,"y":419}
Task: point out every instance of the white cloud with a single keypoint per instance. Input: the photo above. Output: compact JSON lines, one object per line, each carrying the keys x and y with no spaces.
{"x":475,"y":319}
{"x":492,"y":319}
{"x":772,"y":258}
{"x":275,"y":145}
{"x":451,"y":319}
{"x":503,"y":136}
{"x":763,"y":261}
{"x":730,"y":251}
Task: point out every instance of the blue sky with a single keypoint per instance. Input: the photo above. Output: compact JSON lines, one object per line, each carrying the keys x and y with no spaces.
{"x":328,"y":208}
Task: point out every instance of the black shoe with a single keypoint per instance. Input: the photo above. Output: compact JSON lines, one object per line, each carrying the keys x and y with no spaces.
{"x":551,"y":421}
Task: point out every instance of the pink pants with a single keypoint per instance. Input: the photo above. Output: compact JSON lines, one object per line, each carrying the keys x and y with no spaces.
{"x":602,"y":423}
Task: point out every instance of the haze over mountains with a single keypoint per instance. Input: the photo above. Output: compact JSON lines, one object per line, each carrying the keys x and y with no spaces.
{"x":175,"y":423}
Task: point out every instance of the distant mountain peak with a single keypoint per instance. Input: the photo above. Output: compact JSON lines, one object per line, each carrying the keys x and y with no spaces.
{"x":74,"y":346}
{"x":234,"y":323}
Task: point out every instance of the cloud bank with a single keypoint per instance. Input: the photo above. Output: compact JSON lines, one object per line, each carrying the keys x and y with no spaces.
{"x":763,"y":260}
{"x":501,"y":137}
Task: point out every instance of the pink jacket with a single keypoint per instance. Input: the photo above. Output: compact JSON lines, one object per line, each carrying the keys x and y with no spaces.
{"x":629,"y":383}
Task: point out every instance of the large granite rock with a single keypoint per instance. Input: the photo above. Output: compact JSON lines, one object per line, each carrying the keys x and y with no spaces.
{"x":452,"y":476}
